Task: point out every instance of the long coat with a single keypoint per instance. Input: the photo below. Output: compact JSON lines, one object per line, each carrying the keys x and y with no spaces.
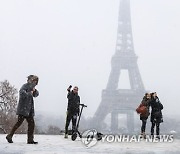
{"x":156,"y":113}
{"x":26,"y":102}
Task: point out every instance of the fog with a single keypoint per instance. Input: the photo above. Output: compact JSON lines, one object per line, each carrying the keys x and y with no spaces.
{"x":72,"y":41}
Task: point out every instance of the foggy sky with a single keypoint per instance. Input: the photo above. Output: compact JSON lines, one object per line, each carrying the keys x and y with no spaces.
{"x":72,"y":41}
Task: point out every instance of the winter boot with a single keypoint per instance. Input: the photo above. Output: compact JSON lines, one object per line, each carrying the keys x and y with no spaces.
{"x":9,"y":138}
{"x":32,"y":142}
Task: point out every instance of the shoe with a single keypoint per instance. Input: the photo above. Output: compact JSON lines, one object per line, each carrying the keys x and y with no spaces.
{"x":158,"y":137}
{"x":9,"y":139}
{"x":152,"y":136}
{"x":66,"y":136}
{"x":32,"y":142}
{"x":143,"y":135}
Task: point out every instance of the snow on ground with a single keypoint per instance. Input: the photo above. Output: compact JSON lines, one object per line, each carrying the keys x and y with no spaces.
{"x":56,"y":144}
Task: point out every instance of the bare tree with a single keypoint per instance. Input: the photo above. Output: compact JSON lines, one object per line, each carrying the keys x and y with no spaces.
{"x":8,"y":105}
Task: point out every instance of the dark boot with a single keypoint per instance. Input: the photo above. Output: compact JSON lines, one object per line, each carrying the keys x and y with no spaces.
{"x":32,"y":142}
{"x":9,"y":138}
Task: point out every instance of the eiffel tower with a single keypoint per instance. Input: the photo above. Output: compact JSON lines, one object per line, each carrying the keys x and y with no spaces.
{"x":121,"y":101}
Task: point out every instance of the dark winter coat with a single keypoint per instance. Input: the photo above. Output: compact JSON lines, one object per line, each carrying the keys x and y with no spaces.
{"x":73,"y":103}
{"x":156,"y":113}
{"x":26,"y":102}
{"x":145,"y":102}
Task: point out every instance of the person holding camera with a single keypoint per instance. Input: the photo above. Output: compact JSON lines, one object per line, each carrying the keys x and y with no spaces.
{"x":25,"y":109}
{"x":156,"y":113}
{"x":72,"y":109}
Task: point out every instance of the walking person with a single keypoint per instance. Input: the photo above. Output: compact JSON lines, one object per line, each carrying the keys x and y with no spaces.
{"x":144,"y":114}
{"x":156,"y":114}
{"x":72,"y":109}
{"x":25,"y":109}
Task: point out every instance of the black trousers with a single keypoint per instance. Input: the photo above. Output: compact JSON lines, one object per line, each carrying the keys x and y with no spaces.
{"x":73,"y":117}
{"x":31,"y":125}
{"x":143,"y":127}
{"x":157,"y":124}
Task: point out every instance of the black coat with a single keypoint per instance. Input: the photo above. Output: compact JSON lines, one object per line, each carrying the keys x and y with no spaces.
{"x":73,"y":102}
{"x":156,"y":107}
{"x":26,"y":102}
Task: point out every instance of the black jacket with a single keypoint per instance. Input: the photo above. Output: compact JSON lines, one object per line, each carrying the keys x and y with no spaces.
{"x":26,"y":102}
{"x":73,"y":102}
{"x":156,"y":108}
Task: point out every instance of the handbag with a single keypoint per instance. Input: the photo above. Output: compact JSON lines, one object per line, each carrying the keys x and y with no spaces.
{"x":141,"y":109}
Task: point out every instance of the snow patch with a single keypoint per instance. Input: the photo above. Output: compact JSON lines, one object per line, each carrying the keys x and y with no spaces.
{"x":56,"y":144}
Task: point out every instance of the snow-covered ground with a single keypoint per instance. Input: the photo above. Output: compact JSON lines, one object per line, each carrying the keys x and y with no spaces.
{"x":56,"y":144}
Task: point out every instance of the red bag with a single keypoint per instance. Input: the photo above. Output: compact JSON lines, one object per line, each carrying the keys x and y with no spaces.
{"x":141,"y":109}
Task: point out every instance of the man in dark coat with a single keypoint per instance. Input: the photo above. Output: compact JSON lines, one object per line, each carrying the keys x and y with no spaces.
{"x":156,"y":113}
{"x":72,"y":109}
{"x":25,"y":109}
